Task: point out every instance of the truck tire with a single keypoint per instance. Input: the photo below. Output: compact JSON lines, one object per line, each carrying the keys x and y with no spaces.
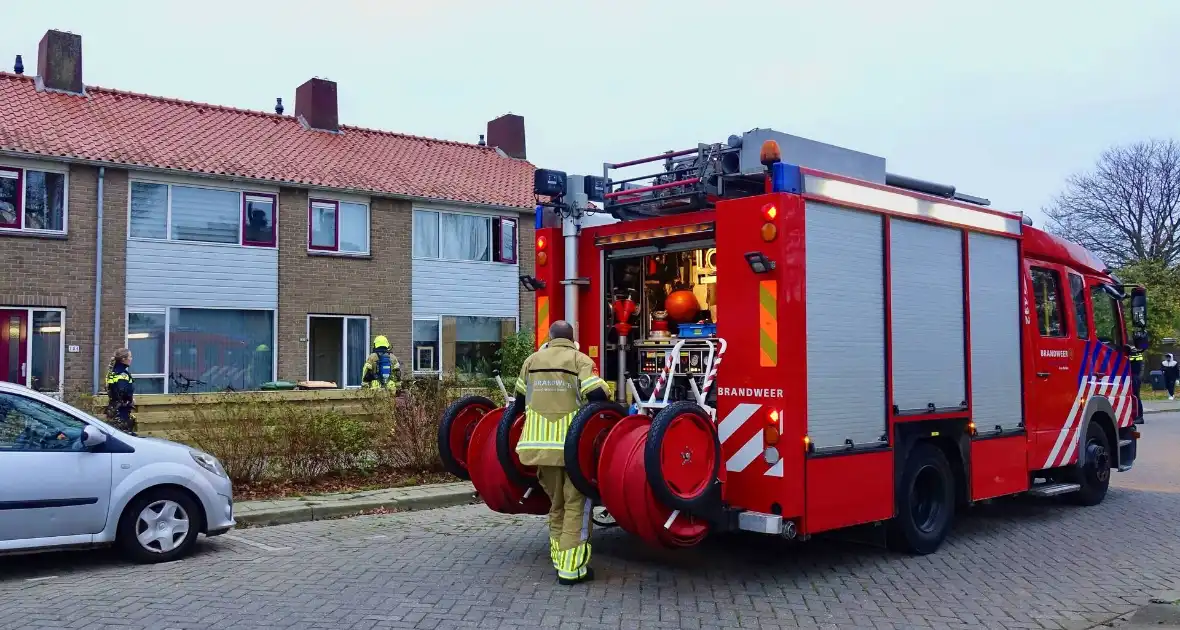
{"x":504,"y":446}
{"x":1094,"y":473}
{"x":925,"y":502}
{"x":454,"y":432}
{"x":682,"y":459}
{"x":590,"y":424}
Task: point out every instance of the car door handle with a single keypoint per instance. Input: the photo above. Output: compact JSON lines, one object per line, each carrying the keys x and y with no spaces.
{"x":1043,"y":374}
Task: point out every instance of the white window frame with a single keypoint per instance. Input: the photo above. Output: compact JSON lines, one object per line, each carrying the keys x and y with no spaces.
{"x":167,"y":311}
{"x":22,"y":170}
{"x":314,"y":199}
{"x":61,"y":366}
{"x":491,"y":218}
{"x":242,"y":193}
{"x":343,"y":345}
{"x":438,"y":362}
{"x":167,"y":355}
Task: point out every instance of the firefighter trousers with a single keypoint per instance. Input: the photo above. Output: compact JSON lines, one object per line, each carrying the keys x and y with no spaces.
{"x":569,"y":523}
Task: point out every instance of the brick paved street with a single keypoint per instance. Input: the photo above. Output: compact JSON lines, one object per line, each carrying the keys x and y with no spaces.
{"x":1014,"y":564}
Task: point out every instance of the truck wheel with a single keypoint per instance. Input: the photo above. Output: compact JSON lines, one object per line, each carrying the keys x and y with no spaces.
{"x":1094,"y":475}
{"x":583,"y":443}
{"x":506,"y":450}
{"x":454,"y":432}
{"x":925,"y":502}
{"x":682,"y":459}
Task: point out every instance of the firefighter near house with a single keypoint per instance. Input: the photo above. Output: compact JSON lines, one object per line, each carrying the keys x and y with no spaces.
{"x":803,"y":342}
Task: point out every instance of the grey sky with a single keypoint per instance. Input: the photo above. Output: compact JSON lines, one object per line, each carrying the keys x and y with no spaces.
{"x":1002,"y":99}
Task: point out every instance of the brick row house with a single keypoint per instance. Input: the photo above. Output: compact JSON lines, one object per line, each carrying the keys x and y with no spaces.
{"x":237,"y":247}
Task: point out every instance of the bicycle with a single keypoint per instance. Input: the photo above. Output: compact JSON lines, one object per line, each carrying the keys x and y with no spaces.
{"x":181,"y":383}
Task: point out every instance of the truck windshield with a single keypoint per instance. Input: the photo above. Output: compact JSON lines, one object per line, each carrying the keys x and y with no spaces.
{"x":1107,"y":320}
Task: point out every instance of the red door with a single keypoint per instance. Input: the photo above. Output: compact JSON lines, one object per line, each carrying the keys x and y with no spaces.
{"x":1052,"y":391}
{"x":14,"y":335}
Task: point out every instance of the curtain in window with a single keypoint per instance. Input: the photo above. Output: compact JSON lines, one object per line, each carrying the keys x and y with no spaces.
{"x":465,"y":237}
{"x":205,"y":215}
{"x":357,"y":350}
{"x":425,"y":234}
{"x":149,"y":210}
{"x":224,"y":348}
{"x":354,"y":227}
{"x":45,"y":362}
{"x":323,"y":225}
{"x":45,"y":201}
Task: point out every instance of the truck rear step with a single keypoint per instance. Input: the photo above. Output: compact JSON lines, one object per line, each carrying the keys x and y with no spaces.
{"x":1053,"y":489}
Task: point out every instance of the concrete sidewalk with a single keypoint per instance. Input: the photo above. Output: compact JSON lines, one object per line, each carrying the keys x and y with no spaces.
{"x":325,"y":506}
{"x":1161,"y":613}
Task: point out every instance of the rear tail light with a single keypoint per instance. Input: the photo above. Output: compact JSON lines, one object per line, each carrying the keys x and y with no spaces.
{"x":773,"y":428}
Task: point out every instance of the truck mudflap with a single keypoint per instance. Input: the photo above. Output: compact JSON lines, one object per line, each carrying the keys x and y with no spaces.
{"x":1128,"y":447}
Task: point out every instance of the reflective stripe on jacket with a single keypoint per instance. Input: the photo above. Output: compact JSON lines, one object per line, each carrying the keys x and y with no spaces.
{"x":555,"y":382}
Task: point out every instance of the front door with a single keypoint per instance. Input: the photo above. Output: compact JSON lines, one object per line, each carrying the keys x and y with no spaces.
{"x":51,"y":487}
{"x":1052,"y":392}
{"x":14,"y":335}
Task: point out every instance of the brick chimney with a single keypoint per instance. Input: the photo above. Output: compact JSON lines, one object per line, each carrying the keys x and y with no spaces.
{"x":59,"y":62}
{"x":507,"y":134}
{"x":315,"y":105}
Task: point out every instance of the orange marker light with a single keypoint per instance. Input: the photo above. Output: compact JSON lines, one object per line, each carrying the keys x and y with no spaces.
{"x":768,"y":232}
{"x":770,"y":153}
{"x":542,"y":258}
{"x":541,"y":242}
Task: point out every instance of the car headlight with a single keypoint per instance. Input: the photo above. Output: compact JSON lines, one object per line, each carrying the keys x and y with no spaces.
{"x":208,"y":462}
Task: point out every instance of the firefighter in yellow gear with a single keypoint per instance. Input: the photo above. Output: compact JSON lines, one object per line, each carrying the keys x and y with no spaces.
{"x":382,"y":369}
{"x":554,"y":382}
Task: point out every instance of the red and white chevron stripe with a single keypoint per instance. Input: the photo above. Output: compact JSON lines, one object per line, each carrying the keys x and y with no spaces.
{"x":752,"y":448}
{"x":1116,"y":389}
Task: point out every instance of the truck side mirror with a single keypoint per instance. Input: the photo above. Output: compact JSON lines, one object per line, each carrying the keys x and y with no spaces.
{"x":1139,"y":317}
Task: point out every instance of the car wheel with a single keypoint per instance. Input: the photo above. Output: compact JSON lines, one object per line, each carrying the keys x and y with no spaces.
{"x":159,"y":525}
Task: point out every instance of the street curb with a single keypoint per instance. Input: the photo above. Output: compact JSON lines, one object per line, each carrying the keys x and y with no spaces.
{"x":318,"y":511}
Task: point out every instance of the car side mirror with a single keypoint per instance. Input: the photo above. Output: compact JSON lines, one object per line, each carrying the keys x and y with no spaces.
{"x":93,"y":438}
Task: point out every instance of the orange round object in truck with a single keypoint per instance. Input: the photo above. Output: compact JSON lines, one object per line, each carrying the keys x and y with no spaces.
{"x":682,"y":306}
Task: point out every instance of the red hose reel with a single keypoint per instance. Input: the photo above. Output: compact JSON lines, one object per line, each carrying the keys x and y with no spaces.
{"x":660,"y":478}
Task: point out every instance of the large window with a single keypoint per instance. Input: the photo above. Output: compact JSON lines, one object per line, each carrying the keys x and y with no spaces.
{"x":1108,"y":325}
{"x":32,"y":201}
{"x":31,"y":350}
{"x":184,"y":350}
{"x":337,"y":348}
{"x":202,"y":215}
{"x":452,"y":236}
{"x":1050,"y":308}
{"x":427,"y":341}
{"x":477,"y":340}
{"x":338,"y":226}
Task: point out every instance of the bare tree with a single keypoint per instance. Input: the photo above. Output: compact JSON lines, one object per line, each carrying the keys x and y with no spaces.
{"x":1127,"y":209}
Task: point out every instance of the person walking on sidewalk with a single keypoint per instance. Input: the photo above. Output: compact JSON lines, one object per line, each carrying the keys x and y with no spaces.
{"x":554,"y":382}
{"x":1171,"y":374}
{"x":120,"y":392}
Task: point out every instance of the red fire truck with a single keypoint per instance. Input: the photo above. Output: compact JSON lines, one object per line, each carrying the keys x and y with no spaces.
{"x":803,"y":342}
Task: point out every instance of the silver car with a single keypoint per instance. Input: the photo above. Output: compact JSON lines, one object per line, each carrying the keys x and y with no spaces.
{"x":67,"y":479}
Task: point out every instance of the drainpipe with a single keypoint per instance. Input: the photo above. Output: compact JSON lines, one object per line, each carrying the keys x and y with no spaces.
{"x":98,"y":287}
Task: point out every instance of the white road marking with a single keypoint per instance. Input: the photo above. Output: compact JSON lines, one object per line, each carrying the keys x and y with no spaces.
{"x":256,"y":545}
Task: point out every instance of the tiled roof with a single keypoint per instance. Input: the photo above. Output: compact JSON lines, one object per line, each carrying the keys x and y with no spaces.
{"x":140,"y":130}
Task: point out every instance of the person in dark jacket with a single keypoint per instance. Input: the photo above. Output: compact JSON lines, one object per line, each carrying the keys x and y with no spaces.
{"x":1171,"y":374}
{"x":121,"y":391}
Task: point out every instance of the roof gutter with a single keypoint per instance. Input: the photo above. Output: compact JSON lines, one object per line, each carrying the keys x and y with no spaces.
{"x":265,"y":182}
{"x":98,"y":286}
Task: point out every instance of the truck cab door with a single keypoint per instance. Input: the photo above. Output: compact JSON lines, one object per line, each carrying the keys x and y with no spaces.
{"x":1051,"y":391}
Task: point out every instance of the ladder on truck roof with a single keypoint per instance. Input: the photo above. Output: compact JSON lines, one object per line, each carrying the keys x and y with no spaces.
{"x":695,"y":179}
